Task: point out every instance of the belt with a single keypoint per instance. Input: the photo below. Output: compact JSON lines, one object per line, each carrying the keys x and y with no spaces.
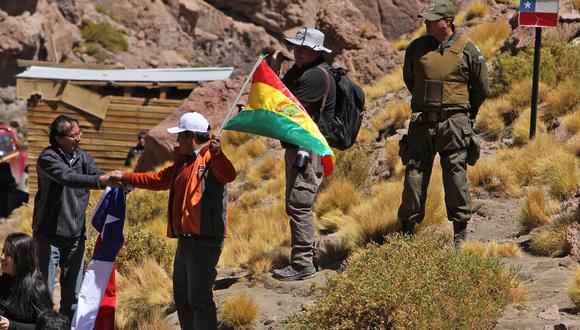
{"x":440,"y":115}
{"x":197,"y":237}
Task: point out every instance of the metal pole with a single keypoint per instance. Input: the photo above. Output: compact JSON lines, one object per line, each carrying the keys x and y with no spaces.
{"x":536,"y":78}
{"x":233,"y":106}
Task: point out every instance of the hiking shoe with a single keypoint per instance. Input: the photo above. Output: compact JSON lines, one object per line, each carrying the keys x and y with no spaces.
{"x":290,"y":273}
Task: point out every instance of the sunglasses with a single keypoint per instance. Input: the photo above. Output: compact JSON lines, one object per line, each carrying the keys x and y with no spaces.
{"x":76,"y":135}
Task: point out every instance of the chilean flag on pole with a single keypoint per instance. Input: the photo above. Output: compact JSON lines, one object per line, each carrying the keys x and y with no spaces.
{"x":538,"y":13}
{"x":96,"y":306}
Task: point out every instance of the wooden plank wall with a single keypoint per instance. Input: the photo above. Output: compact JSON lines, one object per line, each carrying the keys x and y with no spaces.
{"x":108,"y":140}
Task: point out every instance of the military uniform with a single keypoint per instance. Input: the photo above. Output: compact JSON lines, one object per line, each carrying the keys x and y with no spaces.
{"x":448,"y":82}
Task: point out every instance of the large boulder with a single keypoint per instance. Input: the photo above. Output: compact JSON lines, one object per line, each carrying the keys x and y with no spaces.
{"x":211,"y":99}
{"x":357,"y":44}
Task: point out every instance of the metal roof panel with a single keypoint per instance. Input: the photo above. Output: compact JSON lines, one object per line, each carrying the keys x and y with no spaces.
{"x":129,"y":75}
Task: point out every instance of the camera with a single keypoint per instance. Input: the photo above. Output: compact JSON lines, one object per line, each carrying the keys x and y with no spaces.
{"x":301,"y":160}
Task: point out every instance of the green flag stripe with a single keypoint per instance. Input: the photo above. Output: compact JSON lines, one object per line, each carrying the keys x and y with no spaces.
{"x":270,"y":124}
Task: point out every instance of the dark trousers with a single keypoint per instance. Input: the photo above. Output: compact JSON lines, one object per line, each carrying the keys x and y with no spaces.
{"x":68,"y":254}
{"x":194,"y":273}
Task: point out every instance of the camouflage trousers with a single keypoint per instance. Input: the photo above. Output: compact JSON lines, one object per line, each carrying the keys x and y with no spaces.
{"x":449,"y":136}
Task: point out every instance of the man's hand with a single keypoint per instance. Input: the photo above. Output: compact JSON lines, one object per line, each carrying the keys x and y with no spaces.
{"x":215,"y":145}
{"x":112,"y":179}
{"x":276,"y":62}
{"x":4,"y":323}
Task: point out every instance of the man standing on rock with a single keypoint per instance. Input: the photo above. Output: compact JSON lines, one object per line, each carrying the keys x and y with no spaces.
{"x":197,"y":212}
{"x":308,"y":81}
{"x":447,"y":77}
{"x":65,"y":175}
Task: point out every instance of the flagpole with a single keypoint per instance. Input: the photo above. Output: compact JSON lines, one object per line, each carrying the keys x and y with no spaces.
{"x":219,"y":130}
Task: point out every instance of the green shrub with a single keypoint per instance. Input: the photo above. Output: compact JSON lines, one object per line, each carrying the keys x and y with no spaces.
{"x":353,"y":165}
{"x":107,"y":12}
{"x":145,"y":205}
{"x":105,"y":35}
{"x":96,"y":50}
{"x":139,"y":245}
{"x":419,"y":284}
{"x":557,"y":57}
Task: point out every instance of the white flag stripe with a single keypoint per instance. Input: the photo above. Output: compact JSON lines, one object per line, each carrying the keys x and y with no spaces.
{"x":546,"y":6}
{"x":109,"y":219}
{"x":92,"y":291}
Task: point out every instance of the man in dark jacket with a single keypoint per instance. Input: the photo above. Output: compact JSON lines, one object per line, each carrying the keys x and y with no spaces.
{"x":312,"y":86}
{"x":65,"y":175}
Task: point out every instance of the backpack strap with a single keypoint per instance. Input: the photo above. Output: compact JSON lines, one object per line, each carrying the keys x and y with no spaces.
{"x":326,"y":88}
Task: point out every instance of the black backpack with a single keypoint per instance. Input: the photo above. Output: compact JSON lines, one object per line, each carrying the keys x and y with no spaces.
{"x":348,"y":110}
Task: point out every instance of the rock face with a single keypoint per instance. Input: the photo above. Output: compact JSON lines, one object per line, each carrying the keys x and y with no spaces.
{"x":210,"y":99}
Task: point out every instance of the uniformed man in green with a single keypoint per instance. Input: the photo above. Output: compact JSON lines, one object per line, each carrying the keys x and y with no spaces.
{"x":447,"y":77}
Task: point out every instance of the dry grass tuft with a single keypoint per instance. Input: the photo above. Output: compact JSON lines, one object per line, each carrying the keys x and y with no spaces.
{"x":402,"y":43}
{"x":490,"y":36}
{"x":551,"y":240}
{"x":493,"y":249}
{"x":393,"y":117}
{"x":519,"y":96}
{"x":339,"y":194}
{"x":239,"y":312}
{"x":489,"y":120}
{"x":521,"y":128}
{"x":572,"y":145}
{"x":267,"y":168}
{"x":574,"y":286}
{"x":24,"y":215}
{"x":561,"y":100}
{"x":364,"y":136}
{"x":571,"y":122}
{"x":260,"y":265}
{"x":392,"y":159}
{"x":389,"y":83}
{"x":576,"y":4}
{"x":493,"y":176}
{"x":234,"y":138}
{"x":435,"y":212}
{"x":535,"y":210}
{"x":476,"y":9}
{"x":147,"y":287}
{"x":353,"y":165}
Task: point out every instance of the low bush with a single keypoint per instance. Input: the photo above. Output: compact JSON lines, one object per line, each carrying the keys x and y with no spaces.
{"x":492,"y":176}
{"x":551,"y":240}
{"x":419,"y":284}
{"x":339,"y":194}
{"x":144,"y":206}
{"x":535,"y":210}
{"x":492,"y":249}
{"x":107,"y":12}
{"x":353,"y":165}
{"x":391,"y":82}
{"x":97,"y":51}
{"x":476,"y":9}
{"x":521,"y":128}
{"x":105,"y":35}
{"x":561,"y":100}
{"x":239,"y":312}
{"x":571,"y":122}
{"x":574,"y":286}
{"x":489,"y":122}
{"x":490,"y":36}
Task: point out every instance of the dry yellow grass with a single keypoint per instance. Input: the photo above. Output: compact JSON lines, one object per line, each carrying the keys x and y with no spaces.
{"x":234,"y":138}
{"x":571,"y":122}
{"x":561,"y":100}
{"x":401,"y":44}
{"x":490,"y":36}
{"x":521,"y":128}
{"x":551,"y":240}
{"x":518,"y":293}
{"x":519,"y":97}
{"x":493,"y":249}
{"x":266,"y":168}
{"x":572,"y":145}
{"x":375,"y":217}
{"x":544,"y":161}
{"x":491,"y":175}
{"x":535,"y":210}
{"x":574,"y":286}
{"x":146,"y":288}
{"x":489,"y":120}
{"x":24,"y":215}
{"x":576,"y":4}
{"x":475,"y":9}
{"x":391,"y":82}
{"x":394,"y":115}
{"x":240,"y":312}
{"x":339,"y":194}
{"x":260,"y":265}
{"x":252,"y":232}
{"x":392,"y":159}
{"x":364,"y":136}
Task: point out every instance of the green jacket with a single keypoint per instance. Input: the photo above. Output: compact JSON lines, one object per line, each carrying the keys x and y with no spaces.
{"x":472,"y":71}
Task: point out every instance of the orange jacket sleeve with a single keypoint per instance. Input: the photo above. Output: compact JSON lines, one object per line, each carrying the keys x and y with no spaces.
{"x":151,"y":180}
{"x":222,"y":168}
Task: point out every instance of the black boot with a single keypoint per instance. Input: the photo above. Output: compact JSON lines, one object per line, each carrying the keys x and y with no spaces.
{"x":407,"y":228}
{"x":459,"y":233}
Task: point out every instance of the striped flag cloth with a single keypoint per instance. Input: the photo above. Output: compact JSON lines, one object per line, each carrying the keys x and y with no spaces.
{"x":538,"y":13}
{"x":274,"y":112}
{"x":96,"y":306}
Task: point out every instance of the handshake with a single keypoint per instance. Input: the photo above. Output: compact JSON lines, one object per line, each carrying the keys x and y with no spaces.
{"x":112,"y":179}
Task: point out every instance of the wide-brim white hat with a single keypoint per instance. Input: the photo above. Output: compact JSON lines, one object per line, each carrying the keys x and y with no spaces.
{"x":191,"y":121}
{"x":309,"y":37}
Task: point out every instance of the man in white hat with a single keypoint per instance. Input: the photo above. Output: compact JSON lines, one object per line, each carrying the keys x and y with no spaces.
{"x":309,"y":80}
{"x":196,"y":215}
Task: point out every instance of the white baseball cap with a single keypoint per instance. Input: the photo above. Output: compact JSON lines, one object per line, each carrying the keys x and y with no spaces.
{"x":310,"y":37}
{"x":191,"y":121}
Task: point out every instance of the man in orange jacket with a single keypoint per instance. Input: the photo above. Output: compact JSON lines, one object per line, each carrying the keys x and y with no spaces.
{"x":196,"y":215}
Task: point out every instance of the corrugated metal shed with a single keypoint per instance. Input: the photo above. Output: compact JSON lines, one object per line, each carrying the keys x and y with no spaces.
{"x":112,"y":106}
{"x":129,"y":75}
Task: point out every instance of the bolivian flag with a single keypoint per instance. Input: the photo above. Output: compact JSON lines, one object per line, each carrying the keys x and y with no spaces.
{"x":274,"y":112}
